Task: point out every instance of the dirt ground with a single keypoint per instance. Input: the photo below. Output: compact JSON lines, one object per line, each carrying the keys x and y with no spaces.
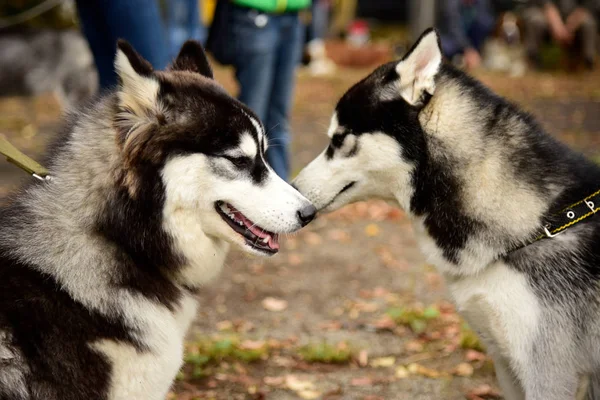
{"x":348,"y":309}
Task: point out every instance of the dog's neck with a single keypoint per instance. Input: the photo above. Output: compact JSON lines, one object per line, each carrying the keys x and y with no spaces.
{"x":471,"y":200}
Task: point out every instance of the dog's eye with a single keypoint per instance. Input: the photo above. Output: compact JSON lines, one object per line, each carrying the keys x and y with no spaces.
{"x":239,"y":162}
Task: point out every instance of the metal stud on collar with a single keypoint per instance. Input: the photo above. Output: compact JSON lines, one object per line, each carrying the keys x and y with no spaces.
{"x":590,"y":204}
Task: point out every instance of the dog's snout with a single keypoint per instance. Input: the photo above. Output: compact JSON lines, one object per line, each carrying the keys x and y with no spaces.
{"x":307,"y":214}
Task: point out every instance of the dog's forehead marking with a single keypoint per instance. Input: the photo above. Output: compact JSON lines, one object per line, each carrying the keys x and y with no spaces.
{"x":260,"y":133}
{"x":248,"y":145}
{"x":333,"y":125}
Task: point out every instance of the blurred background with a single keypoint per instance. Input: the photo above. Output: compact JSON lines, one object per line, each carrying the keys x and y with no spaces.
{"x":349,"y":309}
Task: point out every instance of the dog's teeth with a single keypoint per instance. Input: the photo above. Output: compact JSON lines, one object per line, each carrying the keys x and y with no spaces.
{"x":266,"y":240}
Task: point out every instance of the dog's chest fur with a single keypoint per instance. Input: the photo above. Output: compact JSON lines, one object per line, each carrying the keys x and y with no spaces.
{"x":499,"y":304}
{"x":148,"y":374}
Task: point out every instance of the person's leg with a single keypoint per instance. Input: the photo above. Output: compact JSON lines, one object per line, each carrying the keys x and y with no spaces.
{"x":277,"y":124}
{"x":177,"y":33}
{"x":536,"y":28}
{"x":480,"y":29}
{"x":320,"y":20}
{"x":196,"y":25}
{"x":586,"y":35}
{"x":139,"y":22}
{"x":254,"y":59}
{"x":450,"y":47}
{"x":100,"y":40}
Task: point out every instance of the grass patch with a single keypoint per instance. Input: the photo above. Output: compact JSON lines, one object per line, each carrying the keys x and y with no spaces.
{"x":326,"y":353}
{"x":469,"y":339}
{"x":417,"y":319}
{"x":206,"y":353}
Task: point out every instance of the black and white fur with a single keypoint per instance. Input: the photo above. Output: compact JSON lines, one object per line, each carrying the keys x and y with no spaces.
{"x":479,"y":178}
{"x":99,"y":265}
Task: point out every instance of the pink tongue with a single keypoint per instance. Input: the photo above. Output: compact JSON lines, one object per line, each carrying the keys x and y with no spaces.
{"x":273,"y":241}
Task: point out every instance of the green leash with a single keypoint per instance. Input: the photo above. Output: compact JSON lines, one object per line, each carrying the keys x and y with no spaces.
{"x":27,"y":164}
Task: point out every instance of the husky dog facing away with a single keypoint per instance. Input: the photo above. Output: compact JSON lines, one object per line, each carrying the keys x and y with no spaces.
{"x":478,"y":178}
{"x":99,"y":266}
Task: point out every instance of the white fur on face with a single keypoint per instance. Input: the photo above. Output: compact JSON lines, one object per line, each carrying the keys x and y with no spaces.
{"x":193,"y":187}
{"x":334,"y":125}
{"x":248,"y":146}
{"x":377,"y":169}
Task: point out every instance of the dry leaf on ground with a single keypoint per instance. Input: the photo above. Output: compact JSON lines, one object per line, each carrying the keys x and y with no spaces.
{"x":464,"y":369}
{"x":372,"y":230}
{"x":483,"y":392}
{"x":363,"y":358}
{"x":362,"y":381}
{"x":296,"y":384}
{"x":383,"y":362}
{"x":274,"y":304}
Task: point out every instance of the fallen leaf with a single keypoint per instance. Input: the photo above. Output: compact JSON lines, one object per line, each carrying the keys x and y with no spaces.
{"x":385,"y":322}
{"x":252,"y":344}
{"x":383,"y":362}
{"x":372,"y":230}
{"x":294,"y":383}
{"x":224,"y":325}
{"x":362,"y":381}
{"x":309,"y":394}
{"x":474,"y":355}
{"x":363,"y":358}
{"x":331,"y":325}
{"x":274,"y":304}
{"x":401,"y":372}
{"x":418,"y":369}
{"x":482,"y":391}
{"x":414,"y":346}
{"x":274,"y":380}
{"x":313,"y":238}
{"x":339,"y":235}
{"x":294,"y":259}
{"x":463,"y":369}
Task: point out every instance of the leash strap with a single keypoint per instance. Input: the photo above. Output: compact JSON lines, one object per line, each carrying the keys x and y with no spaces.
{"x":16,"y":157}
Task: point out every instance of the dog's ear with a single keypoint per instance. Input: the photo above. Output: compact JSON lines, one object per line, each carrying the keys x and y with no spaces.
{"x":138,"y":108}
{"x":138,"y":88}
{"x":418,"y":68}
{"x":192,"y":58}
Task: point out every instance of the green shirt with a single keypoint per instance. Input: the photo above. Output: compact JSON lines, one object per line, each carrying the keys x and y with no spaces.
{"x":274,"y":6}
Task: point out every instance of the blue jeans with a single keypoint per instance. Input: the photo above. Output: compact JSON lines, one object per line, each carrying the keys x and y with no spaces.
{"x":477,"y":32}
{"x":137,"y":21}
{"x":317,"y":28}
{"x":267,"y":51}
{"x":183,"y":23}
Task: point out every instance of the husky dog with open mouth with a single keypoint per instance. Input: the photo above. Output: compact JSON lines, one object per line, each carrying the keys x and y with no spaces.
{"x":488,"y":191}
{"x":99,"y":265}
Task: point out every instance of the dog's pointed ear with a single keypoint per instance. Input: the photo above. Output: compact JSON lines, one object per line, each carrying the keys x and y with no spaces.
{"x":418,"y":68}
{"x":138,"y":107}
{"x":193,"y":58}
{"x":138,"y":88}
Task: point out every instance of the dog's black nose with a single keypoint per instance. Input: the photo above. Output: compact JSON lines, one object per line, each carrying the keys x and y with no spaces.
{"x":307,"y":214}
